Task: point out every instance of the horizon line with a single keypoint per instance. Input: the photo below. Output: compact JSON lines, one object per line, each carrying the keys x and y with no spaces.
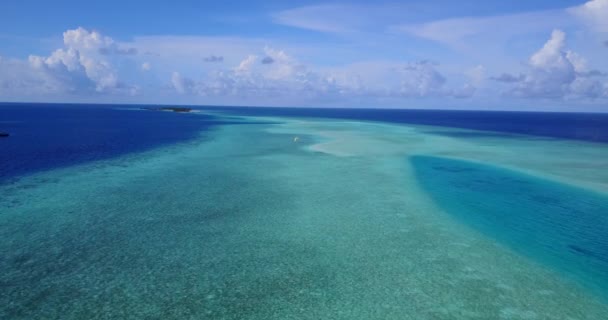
{"x":305,"y":107}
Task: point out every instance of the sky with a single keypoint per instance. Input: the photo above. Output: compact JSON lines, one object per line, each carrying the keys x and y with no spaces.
{"x":545,"y":55}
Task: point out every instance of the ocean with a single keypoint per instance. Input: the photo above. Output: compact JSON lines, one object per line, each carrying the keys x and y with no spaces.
{"x":115,"y":211}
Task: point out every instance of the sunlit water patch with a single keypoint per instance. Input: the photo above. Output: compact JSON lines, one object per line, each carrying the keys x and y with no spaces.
{"x":559,"y":225}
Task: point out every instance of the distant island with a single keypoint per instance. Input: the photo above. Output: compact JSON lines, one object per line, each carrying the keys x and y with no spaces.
{"x":4,"y":134}
{"x":173,"y":109}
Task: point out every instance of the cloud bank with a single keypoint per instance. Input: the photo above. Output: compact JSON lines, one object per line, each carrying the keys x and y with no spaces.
{"x":362,"y":60}
{"x":82,"y":66}
{"x":556,"y":72}
{"x":280,"y":75}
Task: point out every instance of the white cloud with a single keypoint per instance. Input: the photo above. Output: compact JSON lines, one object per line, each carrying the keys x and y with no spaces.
{"x":251,"y":78}
{"x":594,"y":13}
{"x":552,"y":54}
{"x":18,"y":78}
{"x":69,"y":58}
{"x":283,"y":66}
{"x":555,"y":72}
{"x":421,"y":79}
{"x":477,"y":75}
{"x":81,"y":63}
{"x":246,"y":65}
{"x":288,"y":77}
{"x":84,"y":40}
{"x":180,"y":84}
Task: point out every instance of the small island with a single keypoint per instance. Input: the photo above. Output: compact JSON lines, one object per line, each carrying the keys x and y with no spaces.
{"x":172,"y":109}
{"x":4,"y":134}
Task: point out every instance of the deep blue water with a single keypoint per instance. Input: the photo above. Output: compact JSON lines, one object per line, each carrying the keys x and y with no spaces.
{"x":562,"y":226}
{"x":45,"y":136}
{"x":577,"y":126}
{"x":50,"y":136}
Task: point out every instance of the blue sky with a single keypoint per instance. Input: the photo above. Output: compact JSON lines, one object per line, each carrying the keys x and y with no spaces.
{"x":524,"y":55}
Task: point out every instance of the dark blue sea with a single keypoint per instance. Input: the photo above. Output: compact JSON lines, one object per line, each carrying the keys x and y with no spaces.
{"x":45,"y":136}
{"x":576,"y":126}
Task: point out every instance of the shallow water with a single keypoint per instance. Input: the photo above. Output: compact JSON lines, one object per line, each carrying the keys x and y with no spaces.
{"x":245,"y":223}
{"x":562,"y":226}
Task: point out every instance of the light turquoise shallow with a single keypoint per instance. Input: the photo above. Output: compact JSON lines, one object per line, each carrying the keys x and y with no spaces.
{"x":254,"y":225}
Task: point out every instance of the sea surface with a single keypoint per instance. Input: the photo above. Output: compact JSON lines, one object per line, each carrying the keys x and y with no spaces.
{"x":119,"y":212}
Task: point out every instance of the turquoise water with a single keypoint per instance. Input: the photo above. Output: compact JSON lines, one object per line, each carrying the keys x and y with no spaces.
{"x":246,"y":222}
{"x":560,"y":225}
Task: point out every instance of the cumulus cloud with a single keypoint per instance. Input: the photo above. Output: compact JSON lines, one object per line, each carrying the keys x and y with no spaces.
{"x":555,"y":72}
{"x":80,"y":64}
{"x":284,"y":77}
{"x":288,"y":77}
{"x":18,"y":78}
{"x":477,"y":75}
{"x":283,"y":66}
{"x":181,"y":84}
{"x":246,"y":64}
{"x":594,"y":13}
{"x":88,"y":64}
{"x":84,"y":40}
{"x":421,"y":79}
